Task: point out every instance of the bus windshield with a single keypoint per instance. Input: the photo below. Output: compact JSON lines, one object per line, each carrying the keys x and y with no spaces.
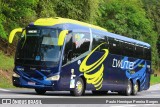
{"x":39,"y":45}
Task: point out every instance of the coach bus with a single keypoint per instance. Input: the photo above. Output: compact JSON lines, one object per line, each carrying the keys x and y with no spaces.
{"x":59,"y":54}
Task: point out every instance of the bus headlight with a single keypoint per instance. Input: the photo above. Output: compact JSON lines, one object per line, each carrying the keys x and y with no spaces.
{"x":55,"y":77}
{"x":16,"y":75}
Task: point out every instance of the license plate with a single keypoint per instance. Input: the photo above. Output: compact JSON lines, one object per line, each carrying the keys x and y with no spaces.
{"x":31,"y":83}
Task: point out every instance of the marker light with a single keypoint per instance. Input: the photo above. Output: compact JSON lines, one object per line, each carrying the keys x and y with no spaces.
{"x":20,"y":69}
{"x":56,"y":77}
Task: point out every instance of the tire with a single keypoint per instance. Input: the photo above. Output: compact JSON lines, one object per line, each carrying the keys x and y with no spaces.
{"x":40,"y":91}
{"x":99,"y":92}
{"x":135,"y":88}
{"x":79,"y":88}
{"x":128,"y":90}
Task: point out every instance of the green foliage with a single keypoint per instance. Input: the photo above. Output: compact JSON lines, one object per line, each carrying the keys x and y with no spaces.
{"x":16,"y":13}
{"x":2,"y":32}
{"x":83,"y":10}
{"x":129,"y":19}
{"x":138,"y":19}
{"x":45,"y":8}
{"x":155,"y":80}
{"x":152,"y":8}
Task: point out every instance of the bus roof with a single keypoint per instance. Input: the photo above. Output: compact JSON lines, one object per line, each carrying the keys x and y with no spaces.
{"x":59,"y":20}
{"x":123,"y":38}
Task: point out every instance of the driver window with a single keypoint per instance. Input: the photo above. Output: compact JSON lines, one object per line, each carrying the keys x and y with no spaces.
{"x":76,"y":44}
{"x":68,"y":49}
{"x":81,"y":43}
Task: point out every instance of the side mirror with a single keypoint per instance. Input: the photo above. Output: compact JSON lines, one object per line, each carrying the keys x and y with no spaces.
{"x":13,"y":32}
{"x":62,"y":37}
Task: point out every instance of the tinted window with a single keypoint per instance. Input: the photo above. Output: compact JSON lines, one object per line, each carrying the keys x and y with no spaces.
{"x":97,"y":40}
{"x":128,"y":49}
{"x":76,"y":43}
{"x":114,"y":46}
{"x":139,"y":51}
{"x":131,"y":50}
{"x":68,"y":49}
{"x":147,"y":53}
{"x":81,"y":43}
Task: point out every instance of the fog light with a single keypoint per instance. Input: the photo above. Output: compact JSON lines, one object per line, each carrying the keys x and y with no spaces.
{"x":56,"y":77}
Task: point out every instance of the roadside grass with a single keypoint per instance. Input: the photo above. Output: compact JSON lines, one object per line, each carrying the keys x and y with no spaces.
{"x":6,"y":66}
{"x":155,"y":80}
{"x":5,"y":82}
{"x":6,"y":63}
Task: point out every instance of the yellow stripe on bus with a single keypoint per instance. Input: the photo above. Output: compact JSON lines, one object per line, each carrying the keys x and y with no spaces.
{"x":58,"y":20}
{"x":94,"y":78}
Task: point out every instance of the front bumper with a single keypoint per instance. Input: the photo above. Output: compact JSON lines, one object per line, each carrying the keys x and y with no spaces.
{"x":23,"y":82}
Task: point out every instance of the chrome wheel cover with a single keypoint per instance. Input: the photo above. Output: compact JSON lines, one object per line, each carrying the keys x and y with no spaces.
{"x":79,"y":87}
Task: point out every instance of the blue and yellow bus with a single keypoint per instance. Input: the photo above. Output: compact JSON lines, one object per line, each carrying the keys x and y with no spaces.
{"x":59,"y":54}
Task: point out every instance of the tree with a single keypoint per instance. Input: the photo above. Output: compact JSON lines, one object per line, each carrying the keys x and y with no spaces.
{"x":45,"y":8}
{"x":16,"y":13}
{"x":129,"y":19}
{"x":152,"y":8}
{"x":2,"y":19}
{"x":82,"y":10}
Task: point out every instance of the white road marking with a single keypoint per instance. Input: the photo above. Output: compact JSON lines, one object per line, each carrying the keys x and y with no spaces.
{"x":4,"y":89}
{"x":124,"y":106}
{"x":149,"y":104}
{"x":155,"y":92}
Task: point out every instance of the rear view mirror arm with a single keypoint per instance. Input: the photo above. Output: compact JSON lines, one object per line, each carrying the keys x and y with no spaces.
{"x":13,"y":32}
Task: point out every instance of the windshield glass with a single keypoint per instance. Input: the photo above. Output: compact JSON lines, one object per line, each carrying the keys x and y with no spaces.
{"x":50,"y":51}
{"x":39,"y":45}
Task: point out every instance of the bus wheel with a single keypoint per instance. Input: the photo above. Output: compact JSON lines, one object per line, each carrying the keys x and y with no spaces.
{"x":99,"y":92}
{"x":40,"y":91}
{"x":128,"y":90}
{"x":135,"y":89}
{"x":79,"y":88}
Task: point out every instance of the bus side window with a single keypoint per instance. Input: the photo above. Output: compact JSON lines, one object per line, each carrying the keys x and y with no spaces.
{"x":114,"y":46}
{"x":147,"y":53}
{"x":81,"y":43}
{"x":139,"y":51}
{"x":123,"y":50}
{"x":131,"y":50}
{"x":144,"y":52}
{"x":68,"y":49}
{"x":97,"y":40}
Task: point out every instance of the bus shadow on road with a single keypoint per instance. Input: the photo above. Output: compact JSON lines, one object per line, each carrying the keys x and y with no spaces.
{"x":64,"y":93}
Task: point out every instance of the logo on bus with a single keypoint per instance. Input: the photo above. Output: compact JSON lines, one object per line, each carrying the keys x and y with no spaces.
{"x":122,"y":64}
{"x":95,"y":78}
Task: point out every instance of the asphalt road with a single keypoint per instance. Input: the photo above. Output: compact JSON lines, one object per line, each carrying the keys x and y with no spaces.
{"x":153,"y":92}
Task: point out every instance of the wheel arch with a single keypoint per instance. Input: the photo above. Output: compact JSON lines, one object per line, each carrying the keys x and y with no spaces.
{"x":138,"y":84}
